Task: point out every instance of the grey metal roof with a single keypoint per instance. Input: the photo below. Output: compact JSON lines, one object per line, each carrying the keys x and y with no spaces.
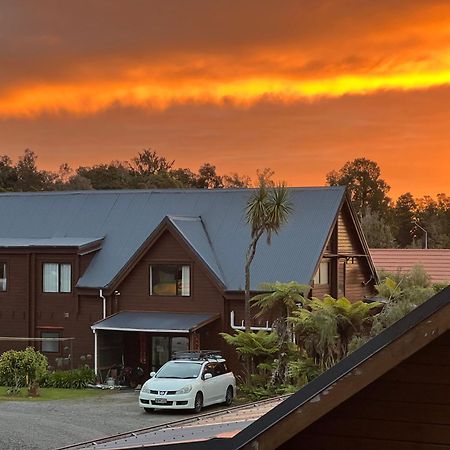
{"x":193,"y":231}
{"x":47,"y":242}
{"x":153,"y":321}
{"x":127,"y":218}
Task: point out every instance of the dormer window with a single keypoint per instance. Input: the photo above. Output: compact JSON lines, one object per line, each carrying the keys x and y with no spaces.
{"x":3,"y":277}
{"x":57,"y":277}
{"x":170,"y":280}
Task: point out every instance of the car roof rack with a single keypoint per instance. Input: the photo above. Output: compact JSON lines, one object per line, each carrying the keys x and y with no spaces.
{"x":199,"y":355}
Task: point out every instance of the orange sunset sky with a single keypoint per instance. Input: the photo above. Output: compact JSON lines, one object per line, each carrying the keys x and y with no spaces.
{"x":299,"y":86}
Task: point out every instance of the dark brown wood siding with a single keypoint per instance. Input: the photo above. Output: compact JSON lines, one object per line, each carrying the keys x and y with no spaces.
{"x":14,"y":304}
{"x":406,"y":409}
{"x":134,"y":290}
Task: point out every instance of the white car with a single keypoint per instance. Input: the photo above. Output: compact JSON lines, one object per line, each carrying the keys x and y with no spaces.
{"x":188,"y":384}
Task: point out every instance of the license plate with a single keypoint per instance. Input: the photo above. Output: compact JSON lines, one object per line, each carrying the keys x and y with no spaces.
{"x":160,"y":401}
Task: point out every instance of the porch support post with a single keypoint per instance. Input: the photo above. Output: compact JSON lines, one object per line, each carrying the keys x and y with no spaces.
{"x":95,"y":353}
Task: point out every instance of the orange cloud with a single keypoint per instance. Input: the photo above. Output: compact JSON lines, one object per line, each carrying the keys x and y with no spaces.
{"x":336,"y":49}
{"x":140,"y":90}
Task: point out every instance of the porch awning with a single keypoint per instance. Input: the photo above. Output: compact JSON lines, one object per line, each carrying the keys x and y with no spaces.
{"x":156,"y":322}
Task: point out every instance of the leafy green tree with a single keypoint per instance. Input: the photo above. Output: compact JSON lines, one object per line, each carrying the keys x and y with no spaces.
{"x":114,"y":175}
{"x":234,"y":180}
{"x":29,"y":177}
{"x":208,"y":178}
{"x":325,"y":327}
{"x":282,"y":299}
{"x":377,"y":232}
{"x":403,"y":217}
{"x":148,"y":163}
{"x":184,"y":177}
{"x":403,"y":292}
{"x":267,"y":211}
{"x":8,"y":174}
{"x":365,"y":186}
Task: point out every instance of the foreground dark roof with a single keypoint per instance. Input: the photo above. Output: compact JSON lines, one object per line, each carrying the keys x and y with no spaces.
{"x":313,"y":391}
{"x":211,"y":221}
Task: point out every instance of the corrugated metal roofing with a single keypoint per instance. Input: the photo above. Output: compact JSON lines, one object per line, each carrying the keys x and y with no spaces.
{"x":127,"y":218}
{"x":47,"y":242}
{"x":436,"y":262}
{"x":152,"y":321}
{"x":194,"y":232}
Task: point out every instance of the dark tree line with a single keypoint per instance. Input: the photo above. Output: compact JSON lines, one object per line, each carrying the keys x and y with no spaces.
{"x":147,"y":170}
{"x":388,"y":223}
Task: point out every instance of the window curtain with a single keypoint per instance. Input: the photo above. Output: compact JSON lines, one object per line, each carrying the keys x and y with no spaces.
{"x":51,"y":277}
{"x":66,"y":277}
{"x":185,"y":281}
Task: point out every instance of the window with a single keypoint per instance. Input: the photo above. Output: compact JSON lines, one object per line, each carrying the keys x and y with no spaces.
{"x":50,"y":346}
{"x":170,"y":280}
{"x":57,"y":277}
{"x":322,"y":275}
{"x":3,"y":277}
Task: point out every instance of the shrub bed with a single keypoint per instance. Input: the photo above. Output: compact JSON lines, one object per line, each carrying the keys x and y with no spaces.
{"x":69,"y":379}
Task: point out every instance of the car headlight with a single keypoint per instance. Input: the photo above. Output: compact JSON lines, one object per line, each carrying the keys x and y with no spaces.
{"x":185,"y":390}
{"x":145,"y":389}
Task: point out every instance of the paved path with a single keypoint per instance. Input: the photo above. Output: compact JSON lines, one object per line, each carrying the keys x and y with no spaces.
{"x":45,"y":425}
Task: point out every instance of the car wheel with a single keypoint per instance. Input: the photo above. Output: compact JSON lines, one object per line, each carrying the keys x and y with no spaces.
{"x":198,"y":403}
{"x":149,"y":410}
{"x":229,"y":396}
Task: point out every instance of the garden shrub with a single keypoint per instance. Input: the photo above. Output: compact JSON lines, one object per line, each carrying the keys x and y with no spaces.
{"x":69,"y":379}
{"x":22,"y":368}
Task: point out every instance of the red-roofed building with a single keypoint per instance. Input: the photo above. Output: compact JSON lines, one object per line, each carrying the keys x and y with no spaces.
{"x":436,"y":262}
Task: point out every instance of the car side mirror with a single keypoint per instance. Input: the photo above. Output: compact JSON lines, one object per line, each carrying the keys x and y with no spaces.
{"x":152,"y":374}
{"x":207,"y":376}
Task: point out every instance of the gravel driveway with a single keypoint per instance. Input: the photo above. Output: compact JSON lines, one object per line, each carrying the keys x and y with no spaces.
{"x":52,"y":424}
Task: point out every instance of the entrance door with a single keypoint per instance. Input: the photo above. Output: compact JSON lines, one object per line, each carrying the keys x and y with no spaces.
{"x":163,"y":348}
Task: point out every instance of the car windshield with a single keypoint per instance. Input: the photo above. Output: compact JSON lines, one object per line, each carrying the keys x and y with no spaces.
{"x":179,"y":370}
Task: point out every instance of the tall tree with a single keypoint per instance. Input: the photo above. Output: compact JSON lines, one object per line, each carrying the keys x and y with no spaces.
{"x":403,"y":217}
{"x":29,"y":177}
{"x":377,"y":232}
{"x":8,"y":174}
{"x":366,"y":188}
{"x":266,"y":212}
{"x":208,"y":177}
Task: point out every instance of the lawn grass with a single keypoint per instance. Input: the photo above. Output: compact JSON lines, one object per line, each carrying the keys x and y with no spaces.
{"x":53,"y":394}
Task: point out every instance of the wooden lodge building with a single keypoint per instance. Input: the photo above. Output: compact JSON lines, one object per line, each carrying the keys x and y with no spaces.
{"x":127,"y":277}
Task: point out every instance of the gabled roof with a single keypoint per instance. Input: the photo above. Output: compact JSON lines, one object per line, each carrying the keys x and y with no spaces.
{"x":193,"y":230}
{"x":436,"y":261}
{"x":127,"y":218}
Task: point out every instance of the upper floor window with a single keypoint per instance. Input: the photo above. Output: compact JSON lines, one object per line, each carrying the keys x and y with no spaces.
{"x":57,"y":277}
{"x":323,"y":273}
{"x":3,"y":277}
{"x":170,"y":280}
